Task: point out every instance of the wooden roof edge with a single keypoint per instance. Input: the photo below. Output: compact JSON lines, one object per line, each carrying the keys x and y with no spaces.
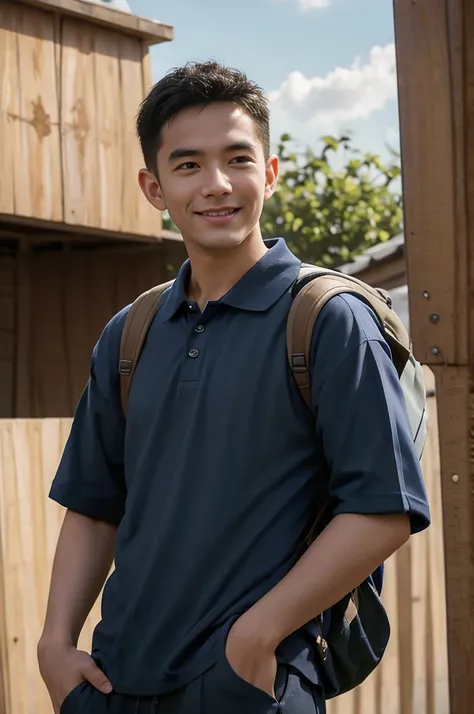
{"x":150,"y":31}
{"x":41,"y":230}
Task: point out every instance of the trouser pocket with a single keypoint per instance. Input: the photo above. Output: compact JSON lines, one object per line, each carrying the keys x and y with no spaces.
{"x":225,"y":691}
{"x":84,"y":699}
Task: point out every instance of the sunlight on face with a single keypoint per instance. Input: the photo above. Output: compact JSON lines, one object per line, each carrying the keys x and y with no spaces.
{"x":213,"y":176}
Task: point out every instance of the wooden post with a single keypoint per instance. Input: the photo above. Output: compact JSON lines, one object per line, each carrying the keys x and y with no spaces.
{"x":435,"y":57}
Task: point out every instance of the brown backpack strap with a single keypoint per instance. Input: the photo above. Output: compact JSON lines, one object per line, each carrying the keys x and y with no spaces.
{"x":308,"y":303}
{"x":139,"y":319}
{"x":318,"y":286}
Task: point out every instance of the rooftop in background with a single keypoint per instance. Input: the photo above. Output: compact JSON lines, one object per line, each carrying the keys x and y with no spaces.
{"x":110,"y":15}
{"x":387,"y":251}
{"x":121,"y":5}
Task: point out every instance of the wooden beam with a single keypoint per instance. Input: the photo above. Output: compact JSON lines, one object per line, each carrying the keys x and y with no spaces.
{"x":433,"y":177}
{"x":435,"y":60}
{"x":35,"y":228}
{"x":151,"y":31}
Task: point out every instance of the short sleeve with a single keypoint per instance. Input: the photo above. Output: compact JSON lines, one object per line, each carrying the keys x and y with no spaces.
{"x":361,"y":417}
{"x":90,"y":478}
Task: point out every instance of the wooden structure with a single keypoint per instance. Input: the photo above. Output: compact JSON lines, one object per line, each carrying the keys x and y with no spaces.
{"x":412,"y":678}
{"x":78,"y":241}
{"x":435,"y":56}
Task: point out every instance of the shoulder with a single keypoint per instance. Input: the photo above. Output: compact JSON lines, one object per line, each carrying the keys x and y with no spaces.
{"x":107,"y":348}
{"x":345,"y":323}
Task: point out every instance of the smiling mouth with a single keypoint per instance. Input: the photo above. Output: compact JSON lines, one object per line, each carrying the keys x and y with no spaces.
{"x":217,"y":214}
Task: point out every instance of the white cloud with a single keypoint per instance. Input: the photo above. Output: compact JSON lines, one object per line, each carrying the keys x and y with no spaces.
{"x":306,"y":5}
{"x":343,"y":95}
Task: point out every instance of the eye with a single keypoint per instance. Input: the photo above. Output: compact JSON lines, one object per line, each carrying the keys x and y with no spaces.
{"x":187,"y":166}
{"x":242,"y":159}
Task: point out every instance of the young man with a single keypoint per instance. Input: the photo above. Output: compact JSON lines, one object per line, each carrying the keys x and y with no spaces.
{"x":203,"y":494}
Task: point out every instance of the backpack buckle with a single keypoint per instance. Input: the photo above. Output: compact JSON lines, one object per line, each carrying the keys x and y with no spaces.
{"x":298,"y":362}
{"x":125,"y":367}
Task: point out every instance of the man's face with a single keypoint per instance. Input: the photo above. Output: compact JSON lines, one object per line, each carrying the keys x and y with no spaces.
{"x":212,"y":176}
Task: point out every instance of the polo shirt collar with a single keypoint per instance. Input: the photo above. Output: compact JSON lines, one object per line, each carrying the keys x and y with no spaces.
{"x":257,"y":290}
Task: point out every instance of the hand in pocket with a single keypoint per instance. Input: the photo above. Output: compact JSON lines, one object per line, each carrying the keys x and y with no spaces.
{"x":251,"y":660}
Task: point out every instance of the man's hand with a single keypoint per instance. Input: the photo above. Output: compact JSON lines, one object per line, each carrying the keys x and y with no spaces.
{"x":250,"y":656}
{"x":63,"y":667}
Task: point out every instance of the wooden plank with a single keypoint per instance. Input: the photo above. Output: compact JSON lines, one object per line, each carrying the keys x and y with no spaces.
{"x":420,"y":617}
{"x":79,"y":126}
{"x":456,"y":416}
{"x":436,"y":634}
{"x":405,"y":627}
{"x":9,"y":106}
{"x":7,"y":334}
{"x":466,"y":21}
{"x":109,"y":167}
{"x":23,"y":337}
{"x":433,"y":232}
{"x":29,"y":526}
{"x":390,"y":665}
{"x":50,"y":369}
{"x":138,"y":215}
{"x":151,"y":31}
{"x":38,"y":188}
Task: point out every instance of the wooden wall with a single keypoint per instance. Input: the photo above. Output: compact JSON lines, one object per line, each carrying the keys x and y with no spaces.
{"x":412,"y":679}
{"x":435,"y":71}
{"x":63,"y":301}
{"x":7,"y":332}
{"x":70,"y":91}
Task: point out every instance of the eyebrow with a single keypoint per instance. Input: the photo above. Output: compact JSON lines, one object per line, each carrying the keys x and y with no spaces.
{"x":184,"y":153}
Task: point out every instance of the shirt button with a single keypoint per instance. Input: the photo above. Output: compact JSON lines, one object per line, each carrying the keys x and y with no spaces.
{"x":199,"y":328}
{"x":191,"y":307}
{"x":193,"y":353}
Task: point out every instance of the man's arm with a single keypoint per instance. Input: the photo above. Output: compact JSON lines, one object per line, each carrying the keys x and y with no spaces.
{"x":90,"y":484}
{"x":376,"y":488}
{"x":83,"y":559}
{"x":350,"y":548}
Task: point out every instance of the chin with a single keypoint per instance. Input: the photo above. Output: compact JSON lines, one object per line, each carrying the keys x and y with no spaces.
{"x":223,"y":241}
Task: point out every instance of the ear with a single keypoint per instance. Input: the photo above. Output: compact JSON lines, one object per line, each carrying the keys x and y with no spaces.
{"x":151,"y":189}
{"x":271,"y":176}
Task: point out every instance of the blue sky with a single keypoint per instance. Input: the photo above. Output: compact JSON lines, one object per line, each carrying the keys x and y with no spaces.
{"x":327,"y":65}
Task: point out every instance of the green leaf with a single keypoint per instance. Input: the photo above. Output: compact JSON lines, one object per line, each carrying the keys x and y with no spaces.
{"x":329,"y":215}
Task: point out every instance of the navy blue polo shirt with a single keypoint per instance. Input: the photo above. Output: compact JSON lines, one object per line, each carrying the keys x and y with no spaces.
{"x":214,"y":478}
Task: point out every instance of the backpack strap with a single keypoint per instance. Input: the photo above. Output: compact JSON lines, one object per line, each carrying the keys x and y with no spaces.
{"x":312,"y":290}
{"x":137,"y":323}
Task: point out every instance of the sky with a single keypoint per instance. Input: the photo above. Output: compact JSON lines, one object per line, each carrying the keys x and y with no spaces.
{"x":328,"y":66}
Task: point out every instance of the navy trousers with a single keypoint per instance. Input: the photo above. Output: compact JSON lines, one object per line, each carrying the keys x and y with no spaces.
{"x":218,"y":691}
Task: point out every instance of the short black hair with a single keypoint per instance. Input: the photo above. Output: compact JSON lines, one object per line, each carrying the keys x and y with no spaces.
{"x":193,"y":85}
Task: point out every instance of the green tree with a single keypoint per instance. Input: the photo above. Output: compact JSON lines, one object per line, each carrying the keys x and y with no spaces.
{"x":328,"y":215}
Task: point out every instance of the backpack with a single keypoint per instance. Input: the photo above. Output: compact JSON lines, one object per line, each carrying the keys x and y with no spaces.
{"x":352,"y":636}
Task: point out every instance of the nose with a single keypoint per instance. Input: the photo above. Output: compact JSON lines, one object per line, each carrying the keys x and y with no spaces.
{"x":215,"y":183}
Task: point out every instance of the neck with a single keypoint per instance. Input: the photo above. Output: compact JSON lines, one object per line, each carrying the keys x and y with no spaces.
{"x":214,"y":273}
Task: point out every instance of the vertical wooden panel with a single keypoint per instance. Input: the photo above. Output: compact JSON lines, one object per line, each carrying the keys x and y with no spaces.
{"x":437,"y":654}
{"x":456,"y":423}
{"x":30,"y":524}
{"x":110,"y":165}
{"x":7,"y":334}
{"x":138,"y":215}
{"x":38,"y":186}
{"x":413,"y":675}
{"x":67,"y":298}
{"x":9,"y":104}
{"x":390,"y":667}
{"x":23,"y":336}
{"x":431,"y":166}
{"x":78,"y":125}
